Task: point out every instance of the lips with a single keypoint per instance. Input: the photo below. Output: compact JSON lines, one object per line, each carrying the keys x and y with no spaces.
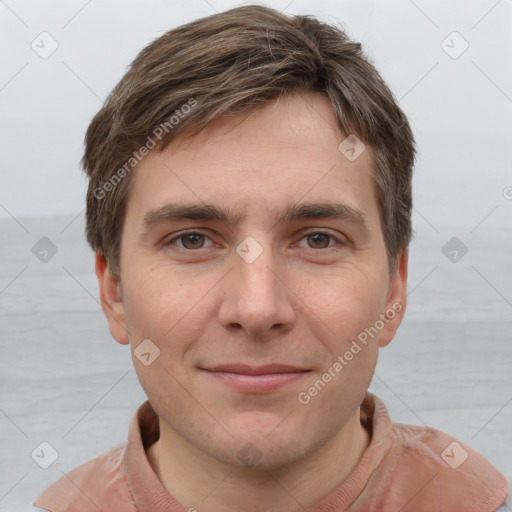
{"x":244,"y":369}
{"x":255,"y":379}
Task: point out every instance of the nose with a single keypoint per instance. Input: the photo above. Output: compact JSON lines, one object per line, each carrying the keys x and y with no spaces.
{"x":256,"y":296}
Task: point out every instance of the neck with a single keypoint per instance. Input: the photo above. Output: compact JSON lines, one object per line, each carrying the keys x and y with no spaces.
{"x":200,"y":482}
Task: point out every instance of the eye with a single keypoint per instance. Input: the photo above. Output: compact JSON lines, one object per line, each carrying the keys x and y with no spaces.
{"x":191,"y":240}
{"x":194,"y":240}
{"x":320,"y":240}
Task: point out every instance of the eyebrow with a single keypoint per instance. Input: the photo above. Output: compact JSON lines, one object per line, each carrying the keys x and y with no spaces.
{"x":293,"y":212}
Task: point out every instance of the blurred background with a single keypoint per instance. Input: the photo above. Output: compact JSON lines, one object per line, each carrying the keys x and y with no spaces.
{"x":66,"y":382}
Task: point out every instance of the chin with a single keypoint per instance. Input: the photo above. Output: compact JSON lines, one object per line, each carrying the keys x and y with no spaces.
{"x":265,"y":453}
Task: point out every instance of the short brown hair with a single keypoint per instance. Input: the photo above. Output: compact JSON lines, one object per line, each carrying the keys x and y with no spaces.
{"x":227,"y":64}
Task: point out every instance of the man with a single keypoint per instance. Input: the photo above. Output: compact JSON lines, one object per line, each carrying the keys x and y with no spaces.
{"x":249,"y":204}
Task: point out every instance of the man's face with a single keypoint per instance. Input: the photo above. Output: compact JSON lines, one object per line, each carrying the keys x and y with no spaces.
{"x":250,"y":311}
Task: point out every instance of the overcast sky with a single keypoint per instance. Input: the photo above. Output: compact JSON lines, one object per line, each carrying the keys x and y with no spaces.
{"x":459,"y":99}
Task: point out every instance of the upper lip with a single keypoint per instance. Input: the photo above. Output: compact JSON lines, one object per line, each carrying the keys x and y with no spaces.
{"x":256,"y":370}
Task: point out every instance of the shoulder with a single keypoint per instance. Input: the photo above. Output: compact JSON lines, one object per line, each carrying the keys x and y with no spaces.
{"x":429,"y":466}
{"x":507,"y":506}
{"x":97,"y":484}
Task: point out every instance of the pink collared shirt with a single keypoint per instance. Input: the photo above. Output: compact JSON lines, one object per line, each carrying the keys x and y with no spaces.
{"x":404,"y":468}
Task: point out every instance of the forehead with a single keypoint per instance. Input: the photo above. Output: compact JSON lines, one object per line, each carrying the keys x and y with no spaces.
{"x":282,"y":153}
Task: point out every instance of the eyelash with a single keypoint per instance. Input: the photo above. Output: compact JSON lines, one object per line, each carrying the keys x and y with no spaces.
{"x":338,"y":240}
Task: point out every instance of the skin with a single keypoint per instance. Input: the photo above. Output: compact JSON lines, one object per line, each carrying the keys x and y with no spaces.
{"x":301,"y":302}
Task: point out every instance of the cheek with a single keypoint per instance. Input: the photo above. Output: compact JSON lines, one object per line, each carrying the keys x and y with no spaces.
{"x":159,"y":309}
{"x":152,"y":297}
{"x":345,"y":302}
{"x":168,"y":310}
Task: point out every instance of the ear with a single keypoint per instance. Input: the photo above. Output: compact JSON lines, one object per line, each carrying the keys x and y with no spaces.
{"x":396,"y":301}
{"x":111,"y":301}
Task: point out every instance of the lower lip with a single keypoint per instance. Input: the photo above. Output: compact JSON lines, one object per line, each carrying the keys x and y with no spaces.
{"x":265,"y":383}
